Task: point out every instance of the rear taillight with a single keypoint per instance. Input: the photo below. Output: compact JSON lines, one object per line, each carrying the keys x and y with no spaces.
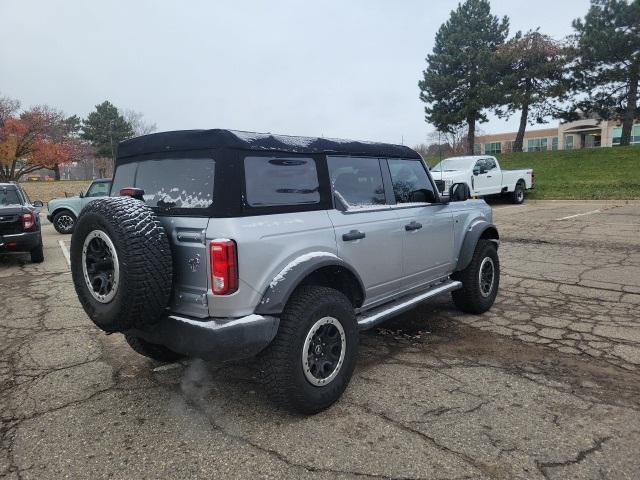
{"x":224,"y":266}
{"x":27,"y":221}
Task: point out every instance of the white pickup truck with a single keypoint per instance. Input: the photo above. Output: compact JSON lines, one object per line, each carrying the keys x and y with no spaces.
{"x":484,"y":177}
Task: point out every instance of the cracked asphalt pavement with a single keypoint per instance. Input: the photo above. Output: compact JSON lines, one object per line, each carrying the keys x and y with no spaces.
{"x":545,"y":385}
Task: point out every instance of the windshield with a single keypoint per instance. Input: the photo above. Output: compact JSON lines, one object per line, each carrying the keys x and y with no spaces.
{"x":9,"y":197}
{"x":451,"y":164}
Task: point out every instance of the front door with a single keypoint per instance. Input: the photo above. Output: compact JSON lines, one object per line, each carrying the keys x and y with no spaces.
{"x":427,"y":224}
{"x":369,"y":234}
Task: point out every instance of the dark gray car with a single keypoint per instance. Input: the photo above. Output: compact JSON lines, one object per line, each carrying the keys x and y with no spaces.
{"x":20,"y":227}
{"x":223,"y":244}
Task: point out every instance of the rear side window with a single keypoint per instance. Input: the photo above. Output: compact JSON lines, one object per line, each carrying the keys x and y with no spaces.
{"x":410,"y":181}
{"x":274,"y":181}
{"x":357,"y":180}
{"x":170,"y":182}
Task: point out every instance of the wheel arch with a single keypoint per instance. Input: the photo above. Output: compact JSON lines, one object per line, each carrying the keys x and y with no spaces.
{"x":324,"y":269}
{"x":62,"y":208}
{"x":477,"y":231}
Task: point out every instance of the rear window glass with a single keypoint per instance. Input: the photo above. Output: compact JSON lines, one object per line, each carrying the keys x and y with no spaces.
{"x":272,"y":181}
{"x":9,"y":197}
{"x":170,"y":182}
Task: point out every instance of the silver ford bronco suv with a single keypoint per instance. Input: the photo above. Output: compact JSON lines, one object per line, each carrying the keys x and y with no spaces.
{"x":223,"y":245}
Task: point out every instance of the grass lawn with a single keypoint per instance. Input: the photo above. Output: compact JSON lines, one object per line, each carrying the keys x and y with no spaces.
{"x":588,"y":174}
{"x":45,"y":191}
{"x":595,"y":173}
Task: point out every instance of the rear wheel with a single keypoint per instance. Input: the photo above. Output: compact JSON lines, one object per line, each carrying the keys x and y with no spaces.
{"x":64,"y":222}
{"x":156,"y":352}
{"x":309,"y":364}
{"x":37,"y":254}
{"x":480,"y":280}
{"x":517,"y":196}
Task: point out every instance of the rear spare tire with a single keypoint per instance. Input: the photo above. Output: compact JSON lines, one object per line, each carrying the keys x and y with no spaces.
{"x":121,"y":264}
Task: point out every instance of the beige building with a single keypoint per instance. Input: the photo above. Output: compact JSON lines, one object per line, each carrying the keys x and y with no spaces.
{"x":567,"y":136}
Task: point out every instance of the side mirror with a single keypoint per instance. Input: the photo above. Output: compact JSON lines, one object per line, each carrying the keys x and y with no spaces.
{"x":476,"y":171}
{"x":38,"y":204}
{"x":81,"y":194}
{"x":459,"y":192}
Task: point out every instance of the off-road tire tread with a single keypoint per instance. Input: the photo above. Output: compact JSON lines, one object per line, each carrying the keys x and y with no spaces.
{"x":276,"y":360}
{"x":145,"y":259}
{"x":159,"y":353}
{"x":468,"y":298}
{"x":54,"y":220}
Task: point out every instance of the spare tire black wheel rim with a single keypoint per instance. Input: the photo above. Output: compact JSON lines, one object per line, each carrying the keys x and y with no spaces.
{"x":100,"y":266}
{"x":65,"y":222}
{"x":324,"y":351}
{"x":486,"y":276}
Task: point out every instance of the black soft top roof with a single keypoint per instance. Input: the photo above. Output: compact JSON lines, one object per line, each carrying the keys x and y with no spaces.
{"x":219,"y":138}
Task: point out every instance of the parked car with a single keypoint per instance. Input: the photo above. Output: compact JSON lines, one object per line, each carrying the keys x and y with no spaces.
{"x":20,"y":222}
{"x":229,"y":244}
{"x":63,"y":212}
{"x":484,"y":177}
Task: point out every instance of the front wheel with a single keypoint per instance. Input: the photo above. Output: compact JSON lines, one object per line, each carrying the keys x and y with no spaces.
{"x":309,"y":364}
{"x":480,"y":280}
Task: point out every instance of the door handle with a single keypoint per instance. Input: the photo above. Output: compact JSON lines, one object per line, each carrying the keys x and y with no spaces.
{"x":353,"y":235}
{"x":413,"y":226}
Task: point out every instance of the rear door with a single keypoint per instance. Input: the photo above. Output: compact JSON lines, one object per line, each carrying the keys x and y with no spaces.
{"x":180,"y":190}
{"x":489,"y":180}
{"x":368,"y":232}
{"x":427,"y":225}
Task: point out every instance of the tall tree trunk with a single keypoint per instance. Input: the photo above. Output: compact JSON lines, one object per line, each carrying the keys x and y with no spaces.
{"x":471,"y":134}
{"x":56,"y":171}
{"x":632,"y":105}
{"x":524,"y":117}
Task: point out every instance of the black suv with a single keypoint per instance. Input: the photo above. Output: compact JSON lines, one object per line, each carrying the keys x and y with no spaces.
{"x":20,"y":228}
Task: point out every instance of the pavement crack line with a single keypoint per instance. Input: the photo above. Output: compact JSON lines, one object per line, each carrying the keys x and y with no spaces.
{"x":580,"y":456}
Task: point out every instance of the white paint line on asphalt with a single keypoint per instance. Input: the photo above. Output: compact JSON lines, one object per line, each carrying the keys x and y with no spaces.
{"x":170,"y":366}
{"x":579,"y":215}
{"x":511,"y":206}
{"x":65,"y":252}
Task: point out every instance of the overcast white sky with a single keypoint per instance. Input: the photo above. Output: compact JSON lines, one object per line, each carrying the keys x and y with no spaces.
{"x":339,"y":68}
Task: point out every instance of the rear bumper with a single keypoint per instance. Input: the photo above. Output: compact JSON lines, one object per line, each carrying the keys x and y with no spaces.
{"x":213,"y":338}
{"x":20,"y":242}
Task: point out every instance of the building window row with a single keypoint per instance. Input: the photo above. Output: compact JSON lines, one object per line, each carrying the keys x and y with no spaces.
{"x":617,"y":135}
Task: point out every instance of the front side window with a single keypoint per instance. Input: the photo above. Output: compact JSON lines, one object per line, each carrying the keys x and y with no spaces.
{"x":490,"y":164}
{"x":98,"y":189}
{"x":358,"y":181}
{"x":275,"y":181}
{"x":411,"y":182}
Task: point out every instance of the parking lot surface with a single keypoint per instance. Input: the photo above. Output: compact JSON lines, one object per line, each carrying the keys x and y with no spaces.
{"x":545,"y":385}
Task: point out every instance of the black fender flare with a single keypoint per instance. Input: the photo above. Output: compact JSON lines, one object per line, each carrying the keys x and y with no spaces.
{"x":282,"y":286}
{"x":473,"y":233}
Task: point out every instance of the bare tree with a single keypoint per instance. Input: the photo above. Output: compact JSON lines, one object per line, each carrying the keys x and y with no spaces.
{"x":140,"y":126}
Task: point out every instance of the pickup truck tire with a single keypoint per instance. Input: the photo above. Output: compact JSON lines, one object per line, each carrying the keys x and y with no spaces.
{"x":37,"y":254}
{"x":64,"y":221}
{"x":310,"y":361}
{"x":160,"y":353}
{"x":480,"y":280}
{"x":518,"y":194}
{"x":121,"y":264}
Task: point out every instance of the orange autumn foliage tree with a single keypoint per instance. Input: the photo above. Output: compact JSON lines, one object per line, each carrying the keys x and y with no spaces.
{"x":37,"y":138}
